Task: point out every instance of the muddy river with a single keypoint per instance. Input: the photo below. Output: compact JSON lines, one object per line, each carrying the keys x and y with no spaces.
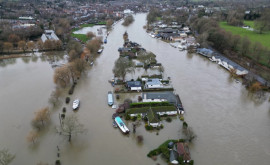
{"x":231,"y":127}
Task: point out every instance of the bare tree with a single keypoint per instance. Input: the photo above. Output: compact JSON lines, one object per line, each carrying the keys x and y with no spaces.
{"x":90,"y":35}
{"x":32,"y":137}
{"x":122,"y":66}
{"x":31,"y":45}
{"x":42,"y":116}
{"x":109,"y":23}
{"x":13,"y":38}
{"x":54,"y":98}
{"x":6,"y":157}
{"x":94,"y":45}
{"x":8,"y":46}
{"x":40,"y":45}
{"x":48,"y":44}
{"x":62,"y":76}
{"x":190,"y":135}
{"x":70,"y":126}
{"x":22,"y":45}
{"x":245,"y":46}
{"x":74,"y":73}
{"x":79,"y":65}
{"x":128,"y":20}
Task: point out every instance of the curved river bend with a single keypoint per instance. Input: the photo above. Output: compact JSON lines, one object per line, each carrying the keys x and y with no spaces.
{"x":231,"y":128}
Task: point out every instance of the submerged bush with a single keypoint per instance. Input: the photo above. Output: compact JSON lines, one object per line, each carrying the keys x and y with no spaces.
{"x":67,"y":100}
{"x":168,"y":119}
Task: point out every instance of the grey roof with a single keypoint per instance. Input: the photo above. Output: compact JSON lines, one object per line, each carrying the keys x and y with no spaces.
{"x":134,"y":84}
{"x":154,"y":81}
{"x":173,"y":155}
{"x":169,"y":96}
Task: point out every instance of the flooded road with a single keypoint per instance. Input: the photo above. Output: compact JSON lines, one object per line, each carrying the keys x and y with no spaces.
{"x":231,"y":128}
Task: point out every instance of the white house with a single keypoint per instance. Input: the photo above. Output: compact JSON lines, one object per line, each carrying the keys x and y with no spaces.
{"x":49,"y":35}
{"x":128,"y":11}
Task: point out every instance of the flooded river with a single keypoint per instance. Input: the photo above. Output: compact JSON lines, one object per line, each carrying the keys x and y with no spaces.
{"x":231,"y":128}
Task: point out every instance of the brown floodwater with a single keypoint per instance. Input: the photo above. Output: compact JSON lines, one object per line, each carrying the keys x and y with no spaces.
{"x":231,"y":127}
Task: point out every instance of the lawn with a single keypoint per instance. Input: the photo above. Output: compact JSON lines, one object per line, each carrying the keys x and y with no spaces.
{"x":81,"y":37}
{"x":264,"y":38}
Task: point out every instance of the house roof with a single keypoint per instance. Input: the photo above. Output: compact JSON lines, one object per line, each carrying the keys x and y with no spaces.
{"x":152,"y":116}
{"x":134,"y":84}
{"x":183,"y":151}
{"x":154,"y":81}
{"x":173,"y":157}
{"x":169,"y":96}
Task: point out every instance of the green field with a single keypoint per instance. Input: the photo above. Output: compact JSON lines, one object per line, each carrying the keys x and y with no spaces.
{"x":83,"y":37}
{"x":264,"y":38}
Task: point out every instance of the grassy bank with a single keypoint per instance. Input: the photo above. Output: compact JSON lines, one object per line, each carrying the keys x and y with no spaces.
{"x":264,"y":38}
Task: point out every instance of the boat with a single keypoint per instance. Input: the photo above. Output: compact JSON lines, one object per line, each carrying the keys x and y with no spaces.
{"x":110,"y":98}
{"x":121,"y":125}
{"x":99,"y":51}
{"x":76,"y":104}
{"x":105,"y":41}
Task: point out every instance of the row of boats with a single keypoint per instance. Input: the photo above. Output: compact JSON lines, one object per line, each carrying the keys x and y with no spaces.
{"x":118,"y":122}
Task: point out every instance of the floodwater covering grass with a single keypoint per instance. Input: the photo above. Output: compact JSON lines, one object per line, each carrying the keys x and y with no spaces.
{"x":264,"y":38}
{"x":83,"y":37}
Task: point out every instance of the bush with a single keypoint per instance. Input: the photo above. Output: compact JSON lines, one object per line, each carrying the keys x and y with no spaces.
{"x":148,"y":127}
{"x":64,"y":110}
{"x":140,"y":139}
{"x":127,"y":117}
{"x":161,"y":126}
{"x":185,"y":125}
{"x":71,"y":90}
{"x":63,"y":116}
{"x":134,"y":118}
{"x":57,"y":162}
{"x":145,"y":118}
{"x":139,"y":98}
{"x":117,"y":97}
{"x":67,"y":100}
{"x":182,"y":118}
{"x":168,"y":119}
{"x":154,"y":152}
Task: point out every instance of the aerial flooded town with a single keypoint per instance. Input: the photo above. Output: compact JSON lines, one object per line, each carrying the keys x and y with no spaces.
{"x":131,"y":82}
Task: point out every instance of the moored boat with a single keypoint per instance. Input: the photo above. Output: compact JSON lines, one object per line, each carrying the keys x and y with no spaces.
{"x":110,"y":98}
{"x":121,"y":125}
{"x":76,"y":104}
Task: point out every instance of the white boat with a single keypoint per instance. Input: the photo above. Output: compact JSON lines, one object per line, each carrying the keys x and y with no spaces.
{"x":99,"y":51}
{"x":76,"y":104}
{"x":121,"y":125}
{"x":110,"y":98}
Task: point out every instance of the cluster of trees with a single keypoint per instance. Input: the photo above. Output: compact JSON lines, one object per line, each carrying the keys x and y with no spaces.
{"x":15,"y":42}
{"x":128,"y":20}
{"x":228,"y":44}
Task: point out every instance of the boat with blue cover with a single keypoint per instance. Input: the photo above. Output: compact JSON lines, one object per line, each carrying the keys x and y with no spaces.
{"x":121,"y":125}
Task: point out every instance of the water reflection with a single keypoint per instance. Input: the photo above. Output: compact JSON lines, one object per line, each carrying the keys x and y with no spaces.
{"x":5,"y":62}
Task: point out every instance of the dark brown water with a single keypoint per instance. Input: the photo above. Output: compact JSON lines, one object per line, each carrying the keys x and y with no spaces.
{"x":231,"y":127}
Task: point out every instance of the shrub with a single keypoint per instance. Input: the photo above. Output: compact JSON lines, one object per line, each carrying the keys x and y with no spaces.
{"x":117,"y":97}
{"x":134,"y":118}
{"x":139,"y":98}
{"x":64,"y":110}
{"x":145,"y":118}
{"x":148,"y":127}
{"x":127,"y":117}
{"x":67,"y":100}
{"x":185,"y":125}
{"x":57,"y":162}
{"x":182,"y":140}
{"x":182,"y":118}
{"x":140,"y":139}
{"x":154,"y":152}
{"x":161,"y":126}
{"x":63,"y":116}
{"x":168,"y":119}
{"x":71,"y":90}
